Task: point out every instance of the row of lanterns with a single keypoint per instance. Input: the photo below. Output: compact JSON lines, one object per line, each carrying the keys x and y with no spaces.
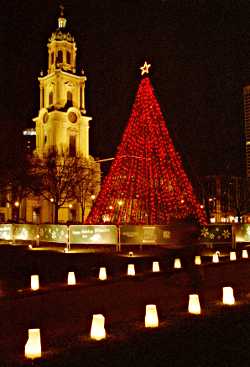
{"x":98,"y":332}
{"x":131,"y":269}
{"x":232,"y":256}
{"x":103,"y":273}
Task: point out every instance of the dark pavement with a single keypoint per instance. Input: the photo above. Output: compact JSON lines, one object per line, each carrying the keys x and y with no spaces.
{"x":63,"y":313}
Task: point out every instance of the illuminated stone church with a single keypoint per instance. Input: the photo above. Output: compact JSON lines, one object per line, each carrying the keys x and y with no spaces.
{"x":61,"y":121}
{"x":61,"y":124}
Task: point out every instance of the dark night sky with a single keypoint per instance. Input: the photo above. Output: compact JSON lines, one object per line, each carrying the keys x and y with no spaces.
{"x":199,"y":51}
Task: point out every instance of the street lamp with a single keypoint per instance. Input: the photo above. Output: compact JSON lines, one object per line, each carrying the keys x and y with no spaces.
{"x":52,"y":211}
{"x":16,"y":210}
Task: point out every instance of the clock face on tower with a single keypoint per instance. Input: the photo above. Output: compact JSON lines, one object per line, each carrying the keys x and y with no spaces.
{"x":72,"y":116}
{"x":45,"y":117}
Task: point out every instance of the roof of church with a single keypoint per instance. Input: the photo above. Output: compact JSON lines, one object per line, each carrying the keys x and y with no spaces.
{"x":62,"y":33}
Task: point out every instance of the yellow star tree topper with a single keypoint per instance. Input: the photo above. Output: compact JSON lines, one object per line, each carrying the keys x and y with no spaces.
{"x":145,"y":68}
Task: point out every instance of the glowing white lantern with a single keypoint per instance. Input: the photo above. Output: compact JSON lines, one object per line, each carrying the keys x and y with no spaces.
{"x":102,"y":274}
{"x":34,"y":282}
{"x":228,"y":296}
{"x":131,"y":254}
{"x":215,"y":258}
{"x":71,"y":278}
{"x":32,"y":348}
{"x":131,"y":270}
{"x":97,"y":331}
{"x":177,"y":263}
{"x":232,"y":255}
{"x":155,"y":267}
{"x":197,"y":260}
{"x":194,"y":304}
{"x":151,"y":316}
{"x":244,"y":254}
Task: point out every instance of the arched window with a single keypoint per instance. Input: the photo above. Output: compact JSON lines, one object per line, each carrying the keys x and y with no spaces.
{"x":68,"y":57}
{"x":42,"y":97}
{"x":52,"y":58}
{"x":50,"y":98}
{"x":81,"y":97}
{"x":59,"y":56}
{"x":36,"y":215}
{"x":69,"y":96}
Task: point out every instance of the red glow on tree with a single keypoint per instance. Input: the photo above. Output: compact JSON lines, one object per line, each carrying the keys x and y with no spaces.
{"x":146,"y":183}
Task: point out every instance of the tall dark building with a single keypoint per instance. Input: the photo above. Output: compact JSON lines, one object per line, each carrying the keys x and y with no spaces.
{"x":29,"y":137}
{"x":246,"y":94}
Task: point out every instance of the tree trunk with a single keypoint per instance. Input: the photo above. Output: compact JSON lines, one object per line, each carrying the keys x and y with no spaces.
{"x":83,"y":210}
{"x":56,"y":209}
{"x":15,"y":214}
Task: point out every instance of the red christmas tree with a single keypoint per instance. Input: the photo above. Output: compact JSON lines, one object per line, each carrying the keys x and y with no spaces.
{"x":146,"y":183}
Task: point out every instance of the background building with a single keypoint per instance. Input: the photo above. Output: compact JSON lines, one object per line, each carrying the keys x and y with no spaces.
{"x":246,"y":96}
{"x":29,"y":140}
{"x":225,"y":198}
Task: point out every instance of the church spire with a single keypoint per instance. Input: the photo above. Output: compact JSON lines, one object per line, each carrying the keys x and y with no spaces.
{"x":62,"y":20}
{"x":61,"y":48}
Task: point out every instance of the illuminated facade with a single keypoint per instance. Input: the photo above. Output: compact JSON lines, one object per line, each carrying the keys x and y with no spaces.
{"x":61,"y":120}
{"x":61,"y":126}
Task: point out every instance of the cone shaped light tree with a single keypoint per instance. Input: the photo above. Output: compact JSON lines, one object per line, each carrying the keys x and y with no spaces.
{"x":146,"y":183}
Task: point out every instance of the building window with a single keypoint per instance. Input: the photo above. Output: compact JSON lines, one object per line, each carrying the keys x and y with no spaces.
{"x":72,"y":146}
{"x":45,"y":139}
{"x":81,"y":97}
{"x":59,"y":57}
{"x":68,"y":56}
{"x":52,"y":58}
{"x":50,"y":98}
{"x":36,"y":215}
{"x":69,"y":97}
{"x":42,"y":98}
{"x":3,"y":199}
{"x":2,"y":218}
{"x":72,"y":215}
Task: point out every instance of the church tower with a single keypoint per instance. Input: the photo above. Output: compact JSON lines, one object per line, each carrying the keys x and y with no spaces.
{"x":62,"y":124}
{"x":63,"y":127}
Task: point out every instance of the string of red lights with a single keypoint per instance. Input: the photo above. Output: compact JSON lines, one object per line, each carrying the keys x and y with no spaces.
{"x":146,"y":183}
